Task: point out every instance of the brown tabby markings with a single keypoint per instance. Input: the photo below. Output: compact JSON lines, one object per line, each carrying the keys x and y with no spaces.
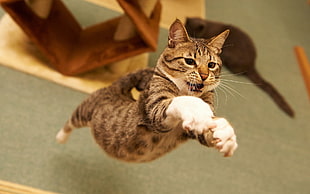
{"x":139,"y":130}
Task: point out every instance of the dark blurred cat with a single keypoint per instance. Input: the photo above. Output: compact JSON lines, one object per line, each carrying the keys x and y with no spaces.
{"x":238,"y":55}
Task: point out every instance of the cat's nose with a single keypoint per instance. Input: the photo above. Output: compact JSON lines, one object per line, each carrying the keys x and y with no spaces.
{"x":204,"y":76}
{"x":203,"y":72}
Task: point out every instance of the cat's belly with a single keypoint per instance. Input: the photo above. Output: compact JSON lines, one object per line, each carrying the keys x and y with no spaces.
{"x":137,"y":145}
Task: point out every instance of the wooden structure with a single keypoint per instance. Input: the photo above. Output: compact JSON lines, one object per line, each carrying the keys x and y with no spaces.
{"x":72,"y":50}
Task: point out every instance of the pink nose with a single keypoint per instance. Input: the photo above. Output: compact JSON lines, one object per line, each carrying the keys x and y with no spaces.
{"x":203,"y":76}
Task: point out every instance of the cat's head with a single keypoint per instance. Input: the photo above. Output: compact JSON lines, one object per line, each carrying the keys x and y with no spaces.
{"x":193,"y":65}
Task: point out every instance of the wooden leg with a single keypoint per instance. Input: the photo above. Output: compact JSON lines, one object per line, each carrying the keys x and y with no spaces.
{"x":304,"y":66}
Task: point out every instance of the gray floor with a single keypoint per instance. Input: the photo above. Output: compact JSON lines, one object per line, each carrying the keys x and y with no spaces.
{"x":273,"y":155}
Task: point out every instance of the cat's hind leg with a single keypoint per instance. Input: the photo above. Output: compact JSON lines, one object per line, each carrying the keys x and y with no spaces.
{"x":81,"y":117}
{"x":64,"y":133}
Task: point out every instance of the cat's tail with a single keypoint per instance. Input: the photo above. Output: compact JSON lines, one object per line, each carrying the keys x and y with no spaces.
{"x":255,"y":77}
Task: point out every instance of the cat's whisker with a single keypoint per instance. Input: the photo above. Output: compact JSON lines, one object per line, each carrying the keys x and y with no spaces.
{"x":217,"y":95}
{"x":235,"y":81}
{"x":216,"y":99}
{"x":188,"y":85}
{"x":231,"y":90}
{"x":226,"y":90}
{"x":226,"y":74}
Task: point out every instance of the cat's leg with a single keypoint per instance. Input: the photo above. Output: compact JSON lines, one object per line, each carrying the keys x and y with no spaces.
{"x":64,"y":133}
{"x":81,"y":117}
{"x":73,"y":123}
{"x":196,"y":115}
{"x":197,"y":118}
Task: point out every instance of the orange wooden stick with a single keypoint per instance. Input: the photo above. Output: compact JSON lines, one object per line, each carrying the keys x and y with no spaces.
{"x":304,"y":66}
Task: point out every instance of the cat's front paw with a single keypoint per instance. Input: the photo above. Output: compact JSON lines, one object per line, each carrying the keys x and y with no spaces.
{"x":194,"y":113}
{"x":198,"y":123}
{"x":224,"y":137}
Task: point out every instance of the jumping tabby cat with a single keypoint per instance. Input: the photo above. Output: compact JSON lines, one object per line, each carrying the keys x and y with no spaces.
{"x":175,"y":104}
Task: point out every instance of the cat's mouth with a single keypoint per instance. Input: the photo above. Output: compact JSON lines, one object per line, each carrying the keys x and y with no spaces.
{"x":201,"y":87}
{"x":195,"y":87}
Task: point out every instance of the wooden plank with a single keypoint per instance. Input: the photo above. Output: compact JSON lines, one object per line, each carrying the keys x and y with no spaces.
{"x":13,"y":188}
{"x":171,"y":9}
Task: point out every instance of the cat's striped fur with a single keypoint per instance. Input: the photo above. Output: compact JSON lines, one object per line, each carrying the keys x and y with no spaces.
{"x":175,"y":104}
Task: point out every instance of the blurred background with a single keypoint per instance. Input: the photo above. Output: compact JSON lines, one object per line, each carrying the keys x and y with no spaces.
{"x":273,"y":154}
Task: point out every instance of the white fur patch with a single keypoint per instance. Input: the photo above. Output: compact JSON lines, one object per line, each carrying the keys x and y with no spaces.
{"x":225,"y":134}
{"x":194,"y":113}
{"x":62,"y":136}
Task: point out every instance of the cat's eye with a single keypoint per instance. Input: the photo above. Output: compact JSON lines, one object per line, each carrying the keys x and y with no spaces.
{"x":211,"y":65}
{"x":190,"y":61}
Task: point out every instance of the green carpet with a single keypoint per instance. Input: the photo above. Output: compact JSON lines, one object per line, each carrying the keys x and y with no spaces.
{"x":273,"y":155}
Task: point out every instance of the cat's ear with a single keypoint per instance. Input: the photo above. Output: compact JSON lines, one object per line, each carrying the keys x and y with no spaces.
{"x":177,"y":34}
{"x":218,"y":41}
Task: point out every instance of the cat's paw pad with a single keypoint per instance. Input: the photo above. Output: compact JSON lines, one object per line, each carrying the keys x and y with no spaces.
{"x":224,"y":137}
